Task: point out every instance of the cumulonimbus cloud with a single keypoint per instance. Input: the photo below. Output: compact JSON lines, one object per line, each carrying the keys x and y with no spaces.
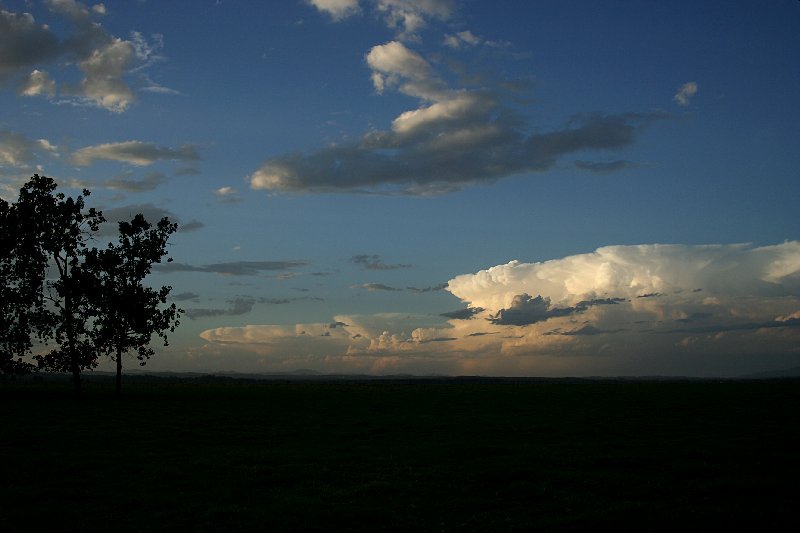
{"x":622,"y":310}
{"x":632,"y":271}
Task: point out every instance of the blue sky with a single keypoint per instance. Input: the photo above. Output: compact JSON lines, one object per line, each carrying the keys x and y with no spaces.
{"x":434,"y":186}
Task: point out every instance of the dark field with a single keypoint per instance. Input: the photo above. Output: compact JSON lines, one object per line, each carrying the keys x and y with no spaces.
{"x":426,"y":456}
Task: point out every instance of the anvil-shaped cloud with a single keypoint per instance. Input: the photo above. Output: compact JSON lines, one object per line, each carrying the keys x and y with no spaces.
{"x":668,"y":309}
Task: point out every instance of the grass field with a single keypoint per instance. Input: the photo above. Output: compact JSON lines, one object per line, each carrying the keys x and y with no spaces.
{"x":425,"y":456}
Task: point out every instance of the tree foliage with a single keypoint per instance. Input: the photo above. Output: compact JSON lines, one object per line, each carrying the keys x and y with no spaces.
{"x":129,"y":313}
{"x":54,"y":287}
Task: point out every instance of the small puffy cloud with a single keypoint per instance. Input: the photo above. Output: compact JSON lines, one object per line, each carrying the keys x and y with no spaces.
{"x":103,"y":69}
{"x":227,"y":195}
{"x":392,"y":62}
{"x":136,"y":153}
{"x":337,"y":9}
{"x":410,"y":16}
{"x":99,"y":9}
{"x":37,"y":83}
{"x":462,"y":39}
{"x":225,"y":191}
{"x":685,"y":92}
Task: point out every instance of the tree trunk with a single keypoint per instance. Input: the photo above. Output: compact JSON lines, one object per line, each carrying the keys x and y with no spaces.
{"x":119,"y":372}
{"x":74,"y":357}
{"x":76,"y":380}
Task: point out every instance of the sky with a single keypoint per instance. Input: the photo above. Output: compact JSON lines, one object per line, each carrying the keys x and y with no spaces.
{"x":434,"y":187}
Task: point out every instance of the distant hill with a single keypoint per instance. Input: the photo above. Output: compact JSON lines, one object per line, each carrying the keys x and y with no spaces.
{"x":793,"y":372}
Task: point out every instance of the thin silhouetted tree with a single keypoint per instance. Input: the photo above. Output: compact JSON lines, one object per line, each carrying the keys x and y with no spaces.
{"x":127,"y":312}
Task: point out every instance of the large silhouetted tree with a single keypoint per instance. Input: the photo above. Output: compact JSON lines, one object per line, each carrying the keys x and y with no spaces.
{"x":129,"y":313}
{"x":21,"y":279}
{"x":89,"y":301}
{"x":60,"y":230}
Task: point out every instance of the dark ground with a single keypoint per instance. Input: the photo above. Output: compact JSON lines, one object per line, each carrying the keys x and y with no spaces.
{"x":401,"y":456}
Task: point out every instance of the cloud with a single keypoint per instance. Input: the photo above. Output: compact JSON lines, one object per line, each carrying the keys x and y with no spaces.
{"x":435,"y":288}
{"x":227,"y":195}
{"x":410,"y":16}
{"x":136,"y":153}
{"x":16,"y":150}
{"x":685,"y":93}
{"x":235,"y":268}
{"x":373,"y":262}
{"x":337,"y":9}
{"x":526,"y":310}
{"x":454,"y":138}
{"x":462,"y":39}
{"x":183,"y":296}
{"x":150,"y":181}
{"x":37,"y":83}
{"x":151,"y":212}
{"x":104,"y":59}
{"x":238,"y":306}
{"x":463,"y":314}
{"x":643,"y":270}
{"x":586,"y":318}
{"x":375,"y":287}
{"x":24,"y":43}
{"x":407,"y":17}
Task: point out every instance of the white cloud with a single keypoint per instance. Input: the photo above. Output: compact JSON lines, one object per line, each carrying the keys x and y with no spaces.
{"x":337,"y":9}
{"x":685,"y":92}
{"x":38,"y":83}
{"x":635,"y":271}
{"x":453,"y":138}
{"x":405,"y":16}
{"x":16,"y":150}
{"x":136,"y":153}
{"x":103,"y":58}
{"x":225,"y":191}
{"x":103,"y":84}
{"x":622,"y":310}
{"x":410,"y":16}
{"x":462,"y":39}
{"x":393,"y":61}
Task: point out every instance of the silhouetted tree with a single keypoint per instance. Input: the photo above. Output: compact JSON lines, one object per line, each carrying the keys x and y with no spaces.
{"x":127,"y":312}
{"x":56,"y":231}
{"x":20,"y":294}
